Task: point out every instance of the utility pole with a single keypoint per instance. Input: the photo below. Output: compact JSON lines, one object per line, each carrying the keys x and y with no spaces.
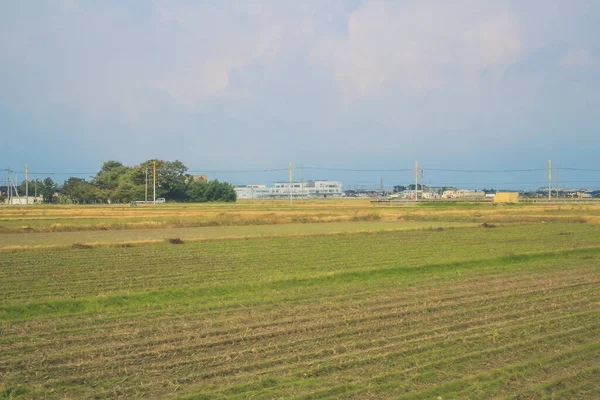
{"x":154,"y":180}
{"x":302,"y":182}
{"x":557,"y":191}
{"x":146,"y":199}
{"x":26,"y":184}
{"x":8,"y":188}
{"x":549,"y":180}
{"x":16,"y":185}
{"x":290,"y":183}
{"x":416,"y":180}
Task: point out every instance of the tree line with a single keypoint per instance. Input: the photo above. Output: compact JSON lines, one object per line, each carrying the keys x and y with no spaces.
{"x":118,"y":183}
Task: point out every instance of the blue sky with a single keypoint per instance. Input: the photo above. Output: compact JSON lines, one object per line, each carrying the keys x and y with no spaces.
{"x":248,"y":85}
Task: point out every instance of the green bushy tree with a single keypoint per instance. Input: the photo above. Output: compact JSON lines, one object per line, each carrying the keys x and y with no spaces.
{"x":48,"y":190}
{"x":117,"y":183}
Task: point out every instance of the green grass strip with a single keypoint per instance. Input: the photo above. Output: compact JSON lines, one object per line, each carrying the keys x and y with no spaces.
{"x":249,"y":292}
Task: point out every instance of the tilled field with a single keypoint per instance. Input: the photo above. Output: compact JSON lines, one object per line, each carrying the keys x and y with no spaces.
{"x":456,"y":313}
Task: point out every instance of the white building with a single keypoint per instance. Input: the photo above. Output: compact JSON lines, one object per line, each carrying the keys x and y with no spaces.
{"x":298,"y":189}
{"x":463,"y":194}
{"x":420,"y":194}
{"x":22,"y":200}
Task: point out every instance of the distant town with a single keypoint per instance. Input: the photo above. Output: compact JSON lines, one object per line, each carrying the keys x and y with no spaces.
{"x":334,"y":189}
{"x":116,"y":183}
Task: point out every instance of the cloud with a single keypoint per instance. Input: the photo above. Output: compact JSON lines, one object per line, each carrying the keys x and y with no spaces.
{"x":100,"y":55}
{"x":576,"y":59}
{"x":206,"y":43}
{"x":266,"y":81}
{"x":418,"y":46}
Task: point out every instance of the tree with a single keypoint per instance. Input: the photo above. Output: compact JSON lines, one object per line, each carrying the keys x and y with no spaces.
{"x":172,"y":180}
{"x":21,"y":188}
{"x":127,"y":190}
{"x":109,"y":174}
{"x":48,"y":190}
{"x":80,"y":191}
{"x":73,"y":189}
{"x":421,"y":187}
{"x":199,"y":192}
{"x":196,"y":192}
{"x":108,"y":179}
{"x":116,"y":182}
{"x":35,"y":187}
{"x":399,"y":188}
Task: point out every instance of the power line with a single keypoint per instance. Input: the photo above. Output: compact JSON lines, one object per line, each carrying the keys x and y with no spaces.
{"x":579,"y":169}
{"x":388,"y":180}
{"x":237,"y":171}
{"x":358,"y":170}
{"x":373,"y":182}
{"x":189,"y":171}
{"x":502,"y":183}
{"x":340,"y":170}
{"x":58,"y":173}
{"x":485,"y":170}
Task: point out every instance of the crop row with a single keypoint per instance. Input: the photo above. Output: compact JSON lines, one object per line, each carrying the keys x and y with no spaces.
{"x":476,"y":325}
{"x":252,"y":292}
{"x":355,"y":323}
{"x":229,"y":368}
{"x":67,"y":273}
{"x":468,"y":312}
{"x":388,"y":303}
{"x":351,"y":300}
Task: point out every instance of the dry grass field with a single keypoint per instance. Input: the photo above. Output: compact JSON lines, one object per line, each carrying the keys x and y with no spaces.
{"x":146,"y":236}
{"x":55,"y":218}
{"x":373,"y":302}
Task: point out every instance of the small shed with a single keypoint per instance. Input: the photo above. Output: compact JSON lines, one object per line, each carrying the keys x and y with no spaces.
{"x":506,"y":197}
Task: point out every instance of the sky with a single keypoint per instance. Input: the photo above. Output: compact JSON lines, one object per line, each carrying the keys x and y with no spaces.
{"x":337,"y":85}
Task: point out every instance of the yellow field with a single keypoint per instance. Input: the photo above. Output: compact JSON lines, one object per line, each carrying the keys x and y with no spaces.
{"x":78,"y":218}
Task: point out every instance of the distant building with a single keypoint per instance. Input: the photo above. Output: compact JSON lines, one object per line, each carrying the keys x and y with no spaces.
{"x":506,"y":197}
{"x":448,"y":194}
{"x":469,"y":194}
{"x":463,"y":194}
{"x":312,"y":189}
{"x":419,"y":194}
{"x":201,"y":178}
{"x":23,"y":200}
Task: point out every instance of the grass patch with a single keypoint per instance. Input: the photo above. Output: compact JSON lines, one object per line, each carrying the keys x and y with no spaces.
{"x":486,"y":225}
{"x":14,"y":392}
{"x":81,"y":246}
